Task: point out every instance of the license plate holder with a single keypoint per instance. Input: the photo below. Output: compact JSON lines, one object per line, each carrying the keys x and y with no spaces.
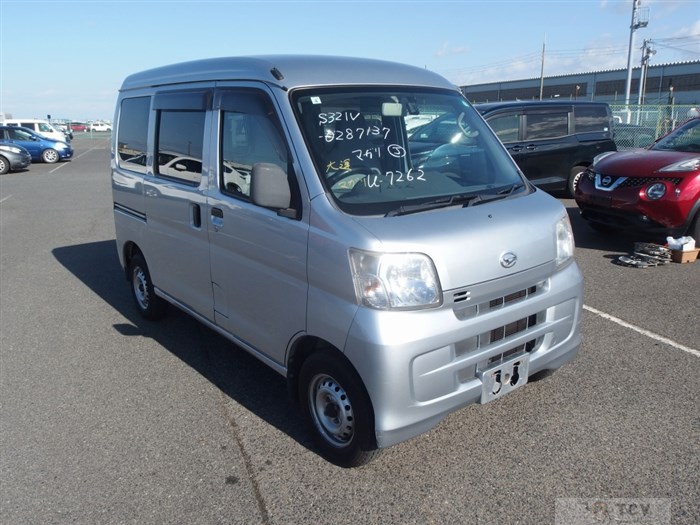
{"x":503,"y":377}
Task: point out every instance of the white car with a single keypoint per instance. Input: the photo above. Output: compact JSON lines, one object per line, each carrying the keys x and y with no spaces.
{"x":99,"y":126}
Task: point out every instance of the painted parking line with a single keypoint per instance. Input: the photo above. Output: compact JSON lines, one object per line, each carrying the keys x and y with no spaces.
{"x":3,"y":200}
{"x":77,"y":157}
{"x":642,"y":331}
{"x":90,"y":150}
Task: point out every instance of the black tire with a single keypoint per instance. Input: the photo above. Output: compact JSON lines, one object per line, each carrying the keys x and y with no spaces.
{"x":574,"y":176}
{"x":4,"y":165}
{"x":50,"y":156}
{"x":148,"y":303}
{"x":337,"y":410}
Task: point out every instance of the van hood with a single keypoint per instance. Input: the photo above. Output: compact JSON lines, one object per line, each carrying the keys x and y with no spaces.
{"x":467,"y":245}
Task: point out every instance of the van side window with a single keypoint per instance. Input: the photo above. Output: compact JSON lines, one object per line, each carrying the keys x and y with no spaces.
{"x":179,"y":145}
{"x":594,"y":118}
{"x":505,"y":126}
{"x":546,"y":125}
{"x":132,"y":134}
{"x":250,"y":134}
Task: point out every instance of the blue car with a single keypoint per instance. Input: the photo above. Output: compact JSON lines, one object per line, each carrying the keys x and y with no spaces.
{"x":39,"y":147}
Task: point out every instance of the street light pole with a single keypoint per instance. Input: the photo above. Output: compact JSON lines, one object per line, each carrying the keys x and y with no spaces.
{"x":637,"y":22}
{"x":647,"y":53}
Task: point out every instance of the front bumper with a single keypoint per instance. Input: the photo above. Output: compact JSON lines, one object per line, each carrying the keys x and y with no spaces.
{"x":65,"y":154}
{"x":624,"y":206}
{"x":420,"y":366}
{"x":21,"y":162}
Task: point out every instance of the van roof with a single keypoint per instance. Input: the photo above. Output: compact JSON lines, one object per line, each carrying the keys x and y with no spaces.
{"x":289,"y":71}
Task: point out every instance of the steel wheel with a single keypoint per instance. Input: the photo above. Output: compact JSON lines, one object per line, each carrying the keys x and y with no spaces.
{"x":149,"y":304}
{"x":4,"y":166}
{"x":331,"y":410}
{"x":140,"y":282}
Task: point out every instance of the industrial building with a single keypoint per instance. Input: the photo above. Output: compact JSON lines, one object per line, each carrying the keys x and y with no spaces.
{"x":674,"y":83}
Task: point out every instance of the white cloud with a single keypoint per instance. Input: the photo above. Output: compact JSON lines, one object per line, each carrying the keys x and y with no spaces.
{"x":448,"y":50}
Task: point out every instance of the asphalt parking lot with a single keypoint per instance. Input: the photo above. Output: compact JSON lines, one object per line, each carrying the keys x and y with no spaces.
{"x":106,"y":418}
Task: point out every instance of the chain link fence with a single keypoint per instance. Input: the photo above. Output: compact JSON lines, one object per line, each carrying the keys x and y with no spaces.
{"x":639,"y":126}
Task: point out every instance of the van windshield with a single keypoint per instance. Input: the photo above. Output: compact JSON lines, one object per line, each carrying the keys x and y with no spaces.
{"x":387,"y":151}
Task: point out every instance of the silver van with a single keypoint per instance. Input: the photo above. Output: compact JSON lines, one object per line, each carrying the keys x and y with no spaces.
{"x":279,"y":201}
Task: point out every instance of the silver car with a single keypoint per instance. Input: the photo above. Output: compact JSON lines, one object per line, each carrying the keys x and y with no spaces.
{"x":390,"y":282}
{"x":13,"y":157}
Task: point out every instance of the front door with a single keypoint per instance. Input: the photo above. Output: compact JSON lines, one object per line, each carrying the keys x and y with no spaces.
{"x":258,"y":258}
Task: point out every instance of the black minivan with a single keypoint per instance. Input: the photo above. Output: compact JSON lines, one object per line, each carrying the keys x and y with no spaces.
{"x":553,"y":142}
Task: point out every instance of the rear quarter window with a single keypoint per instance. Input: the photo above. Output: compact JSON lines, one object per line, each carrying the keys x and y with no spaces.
{"x":594,"y":118}
{"x":132,"y":134}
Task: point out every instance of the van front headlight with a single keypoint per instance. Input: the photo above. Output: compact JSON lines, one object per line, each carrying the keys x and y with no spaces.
{"x":402,"y":281}
{"x":565,"y":240}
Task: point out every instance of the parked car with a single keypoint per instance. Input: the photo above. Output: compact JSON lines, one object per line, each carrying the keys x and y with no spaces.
{"x":37,"y":125}
{"x":65,"y":129}
{"x":78,"y":126}
{"x":39,"y":147}
{"x":654,"y":190}
{"x":13,"y":157}
{"x":99,"y":126}
{"x":553,"y":142}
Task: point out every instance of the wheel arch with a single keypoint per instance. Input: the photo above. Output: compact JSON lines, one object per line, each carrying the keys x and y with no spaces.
{"x":129,"y":250}
{"x":693,"y":219}
{"x":300,"y":351}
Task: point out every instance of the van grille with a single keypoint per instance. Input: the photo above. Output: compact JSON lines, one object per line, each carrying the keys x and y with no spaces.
{"x":502,"y":333}
{"x":464,"y":310}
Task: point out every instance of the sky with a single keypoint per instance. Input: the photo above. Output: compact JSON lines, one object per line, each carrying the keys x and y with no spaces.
{"x":68,"y":58}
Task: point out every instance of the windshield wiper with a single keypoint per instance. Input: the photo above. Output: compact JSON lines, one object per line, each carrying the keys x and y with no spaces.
{"x":464,"y":199}
{"x":454,"y":200}
{"x":509,"y":190}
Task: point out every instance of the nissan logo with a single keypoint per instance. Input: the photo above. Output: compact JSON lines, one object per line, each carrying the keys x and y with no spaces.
{"x":606,"y":180}
{"x":508,"y":259}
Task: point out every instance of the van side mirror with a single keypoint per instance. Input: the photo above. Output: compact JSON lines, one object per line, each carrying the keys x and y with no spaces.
{"x":269,"y":186}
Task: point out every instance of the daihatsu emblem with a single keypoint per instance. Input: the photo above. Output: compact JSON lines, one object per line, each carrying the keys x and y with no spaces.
{"x":606,"y":180}
{"x":508,"y":259}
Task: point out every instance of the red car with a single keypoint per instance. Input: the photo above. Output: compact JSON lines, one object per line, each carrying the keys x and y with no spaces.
{"x":654,"y":190}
